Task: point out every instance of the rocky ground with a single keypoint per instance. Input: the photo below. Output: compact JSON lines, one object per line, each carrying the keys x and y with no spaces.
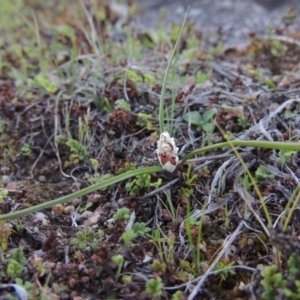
{"x":80,"y":88}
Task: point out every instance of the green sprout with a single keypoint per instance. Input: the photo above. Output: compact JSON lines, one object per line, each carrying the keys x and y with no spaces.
{"x":83,"y":240}
{"x":26,"y":150}
{"x":243,"y":123}
{"x":141,"y":182}
{"x":78,"y":151}
{"x":201,"y":77}
{"x":128,"y":236}
{"x":3,"y":193}
{"x":202,"y":121}
{"x":45,"y":83}
{"x":154,"y":287}
{"x":263,"y":173}
{"x":272,"y":281}
{"x":285,"y":156}
{"x":16,"y":263}
{"x":140,"y":228}
{"x":122,"y":213}
{"x":118,"y":260}
{"x":127,"y":167}
{"x":123,"y":104}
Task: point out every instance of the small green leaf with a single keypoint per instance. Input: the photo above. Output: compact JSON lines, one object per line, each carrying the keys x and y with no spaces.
{"x":226,"y":106}
{"x":81,"y":246}
{"x":14,"y":268}
{"x":270,"y":84}
{"x":149,"y":78}
{"x":118,"y":259}
{"x":81,"y":236}
{"x":208,"y":127}
{"x":209,"y":114}
{"x":140,"y":228}
{"x":159,"y":266}
{"x":124,"y":105}
{"x":201,"y":77}
{"x":133,"y":76}
{"x":66,"y":30}
{"x":288,"y":113}
{"x":186,"y":192}
{"x":18,"y":256}
{"x":263,"y":173}
{"x":154,"y":287}
{"x":122,"y":213}
{"x":193,"y":117}
{"x":128,"y":236}
{"x":91,"y":235}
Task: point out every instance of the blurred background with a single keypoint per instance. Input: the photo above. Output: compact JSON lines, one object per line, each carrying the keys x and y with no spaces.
{"x":236,"y":18}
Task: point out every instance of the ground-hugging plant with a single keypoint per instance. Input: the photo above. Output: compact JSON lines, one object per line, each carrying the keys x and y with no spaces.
{"x":154,"y":287}
{"x":202,"y":121}
{"x":263,"y":173}
{"x":16,"y":264}
{"x":138,"y":229}
{"x":122,"y":213}
{"x":188,"y":180}
{"x":285,"y":156}
{"x":141,"y":182}
{"x":84,"y":239}
{"x":78,"y":151}
{"x":275,"y":283}
{"x":118,"y":260}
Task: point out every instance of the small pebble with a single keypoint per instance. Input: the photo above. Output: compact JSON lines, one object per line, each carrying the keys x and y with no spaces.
{"x":85,"y":279}
{"x":76,"y":202}
{"x":12,"y":186}
{"x":86,"y":214}
{"x":49,"y":265}
{"x":64,"y":296}
{"x":42,"y":178}
{"x":5,"y":179}
{"x":69,"y":209}
{"x":55,"y":286}
{"x":58,"y":209}
{"x":72,"y":282}
{"x":40,"y":216}
{"x":94,"y":218}
{"x":82,"y":268}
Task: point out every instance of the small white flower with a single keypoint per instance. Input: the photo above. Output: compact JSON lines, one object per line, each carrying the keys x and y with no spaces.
{"x":167,"y":152}
{"x":166,"y":144}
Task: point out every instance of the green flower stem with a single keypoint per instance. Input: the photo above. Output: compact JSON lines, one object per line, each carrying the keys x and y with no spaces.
{"x":164,"y":84}
{"x":87,"y":190}
{"x":250,"y":143}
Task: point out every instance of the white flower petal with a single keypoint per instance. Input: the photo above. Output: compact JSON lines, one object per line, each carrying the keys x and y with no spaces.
{"x":167,"y":152}
{"x":166,"y":144}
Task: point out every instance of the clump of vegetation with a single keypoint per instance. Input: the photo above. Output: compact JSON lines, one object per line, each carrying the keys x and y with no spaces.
{"x":16,"y":263}
{"x":202,"y":121}
{"x":84,"y":239}
{"x":276,"y":283}
{"x":263,"y":173}
{"x":78,"y":151}
{"x":141,"y":182}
